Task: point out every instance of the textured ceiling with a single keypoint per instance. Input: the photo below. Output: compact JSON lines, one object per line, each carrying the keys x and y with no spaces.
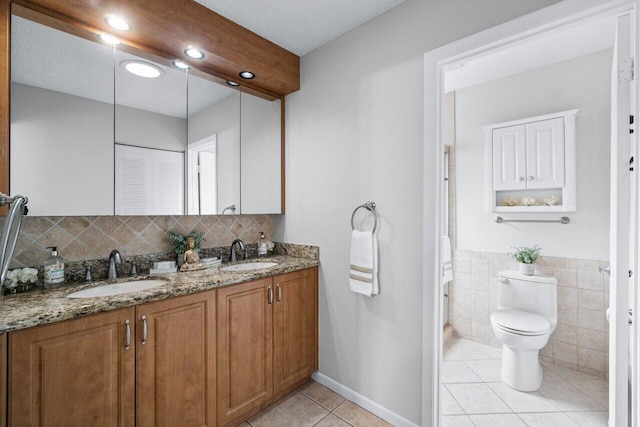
{"x":300,"y":26}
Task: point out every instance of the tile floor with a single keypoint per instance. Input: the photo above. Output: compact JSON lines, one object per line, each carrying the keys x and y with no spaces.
{"x":474,"y":395}
{"x":314,"y":405}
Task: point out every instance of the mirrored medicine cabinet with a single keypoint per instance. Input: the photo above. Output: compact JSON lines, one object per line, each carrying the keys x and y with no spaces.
{"x":89,"y":137}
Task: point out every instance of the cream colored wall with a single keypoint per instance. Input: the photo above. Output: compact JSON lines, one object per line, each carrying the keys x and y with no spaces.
{"x":582,"y":83}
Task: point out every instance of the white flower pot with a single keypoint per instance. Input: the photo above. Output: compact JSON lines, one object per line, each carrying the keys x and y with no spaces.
{"x":526,"y":269}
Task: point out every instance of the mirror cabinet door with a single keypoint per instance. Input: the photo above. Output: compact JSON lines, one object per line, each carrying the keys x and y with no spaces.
{"x":261,"y":130}
{"x":61,"y":121}
{"x":103,"y":130}
{"x":213,"y":170}
{"x":150,"y":136}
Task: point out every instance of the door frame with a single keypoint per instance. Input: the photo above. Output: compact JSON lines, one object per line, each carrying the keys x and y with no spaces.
{"x":512,"y":33}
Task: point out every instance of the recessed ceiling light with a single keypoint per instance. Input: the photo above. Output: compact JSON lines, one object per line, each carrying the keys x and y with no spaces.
{"x":194,"y":53}
{"x":232,"y":83}
{"x":181,"y":65}
{"x":142,"y":69}
{"x":247,"y":75}
{"x":117,"y":22}
{"x":109,"y":39}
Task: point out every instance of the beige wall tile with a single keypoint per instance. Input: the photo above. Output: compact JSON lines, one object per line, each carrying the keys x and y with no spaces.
{"x":593,"y":300}
{"x":463,"y":280}
{"x":480,"y":283}
{"x":480,"y":267}
{"x":462,"y":265}
{"x":566,"y":333}
{"x":481,"y":332}
{"x":594,"y":340}
{"x":565,"y":352}
{"x":480,"y":314}
{"x":592,"y":319}
{"x":480,"y":298}
{"x":568,"y":296}
{"x":567,"y":314}
{"x":583,"y":264}
{"x":591,"y":359}
{"x":566,"y":277}
{"x":590,"y":280}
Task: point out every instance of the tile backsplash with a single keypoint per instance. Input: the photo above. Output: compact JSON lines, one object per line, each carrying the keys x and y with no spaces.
{"x":81,"y":238}
{"x":581,"y":338}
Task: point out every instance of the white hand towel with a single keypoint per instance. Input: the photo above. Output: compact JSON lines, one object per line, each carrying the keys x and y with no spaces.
{"x":363,"y":272}
{"x":447,"y":266}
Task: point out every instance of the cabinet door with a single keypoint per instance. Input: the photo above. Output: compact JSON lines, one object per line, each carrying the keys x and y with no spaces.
{"x":73,"y":373}
{"x":295,"y":328}
{"x":3,"y":380}
{"x":545,"y":154}
{"x":245,"y":349}
{"x":175,"y":364}
{"x":509,"y":158}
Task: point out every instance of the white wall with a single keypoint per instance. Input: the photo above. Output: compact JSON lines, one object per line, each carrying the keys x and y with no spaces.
{"x":355,"y":132}
{"x":61,"y":152}
{"x":583,"y":83}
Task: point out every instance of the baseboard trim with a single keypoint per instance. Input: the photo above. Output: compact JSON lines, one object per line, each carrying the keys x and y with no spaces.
{"x":360,"y":400}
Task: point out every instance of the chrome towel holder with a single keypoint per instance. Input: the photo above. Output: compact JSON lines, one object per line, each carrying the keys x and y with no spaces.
{"x":369,"y":205}
{"x":563,"y":220}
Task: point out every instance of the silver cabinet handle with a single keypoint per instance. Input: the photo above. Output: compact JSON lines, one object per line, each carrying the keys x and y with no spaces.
{"x":279,"y":294}
{"x":521,"y":179}
{"x":270,"y":296}
{"x":505,"y":281}
{"x":127,"y":336}
{"x":607,"y":270}
{"x":144,"y":329}
{"x":531,"y":178}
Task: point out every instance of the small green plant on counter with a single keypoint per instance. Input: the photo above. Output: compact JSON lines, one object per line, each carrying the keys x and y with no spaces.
{"x":526,"y":255}
{"x":178,"y":242}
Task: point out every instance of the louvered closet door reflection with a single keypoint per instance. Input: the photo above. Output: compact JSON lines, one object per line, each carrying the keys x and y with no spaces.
{"x":148,"y":181}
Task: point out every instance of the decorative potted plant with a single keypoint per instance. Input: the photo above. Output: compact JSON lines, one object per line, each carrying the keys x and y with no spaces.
{"x":178,"y":242}
{"x":526,"y":257}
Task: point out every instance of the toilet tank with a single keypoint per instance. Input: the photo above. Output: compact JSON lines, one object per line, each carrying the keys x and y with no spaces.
{"x":535,"y":294}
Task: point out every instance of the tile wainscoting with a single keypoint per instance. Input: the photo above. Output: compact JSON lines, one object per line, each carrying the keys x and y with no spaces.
{"x":581,"y":338}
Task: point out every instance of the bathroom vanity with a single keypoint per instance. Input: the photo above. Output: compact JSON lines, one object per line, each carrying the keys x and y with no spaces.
{"x":209,"y":348}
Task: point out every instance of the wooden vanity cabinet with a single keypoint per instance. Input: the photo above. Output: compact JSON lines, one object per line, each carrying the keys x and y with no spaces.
{"x":267,"y":341}
{"x":295,"y":329}
{"x":82,"y":373}
{"x":176,"y":361}
{"x":73,"y":373}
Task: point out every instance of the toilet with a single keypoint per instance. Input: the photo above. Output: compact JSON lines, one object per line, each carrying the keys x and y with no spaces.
{"x":526,"y":317}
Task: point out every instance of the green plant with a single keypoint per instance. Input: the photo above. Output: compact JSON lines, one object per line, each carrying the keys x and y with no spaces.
{"x":526,"y":255}
{"x":178,"y":242}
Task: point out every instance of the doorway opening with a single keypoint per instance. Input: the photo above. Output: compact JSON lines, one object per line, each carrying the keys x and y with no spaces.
{"x":498,"y":77}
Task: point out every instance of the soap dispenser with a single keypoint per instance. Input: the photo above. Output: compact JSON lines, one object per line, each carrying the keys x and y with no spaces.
{"x":53,"y":269}
{"x":262,"y":246}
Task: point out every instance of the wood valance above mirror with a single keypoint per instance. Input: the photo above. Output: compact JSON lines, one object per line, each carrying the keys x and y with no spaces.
{"x":163,"y":31}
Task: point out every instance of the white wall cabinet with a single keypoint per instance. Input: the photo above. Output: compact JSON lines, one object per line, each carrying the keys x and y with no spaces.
{"x":530,"y":164}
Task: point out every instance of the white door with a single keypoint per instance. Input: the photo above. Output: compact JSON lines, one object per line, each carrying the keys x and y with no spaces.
{"x":509,"y":158}
{"x":545,"y":153}
{"x":619,"y":376}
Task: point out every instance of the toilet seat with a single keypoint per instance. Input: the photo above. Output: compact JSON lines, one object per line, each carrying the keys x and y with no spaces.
{"x":520,"y":322}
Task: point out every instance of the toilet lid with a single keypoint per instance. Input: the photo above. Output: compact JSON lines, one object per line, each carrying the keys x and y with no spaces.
{"x":520,"y":322}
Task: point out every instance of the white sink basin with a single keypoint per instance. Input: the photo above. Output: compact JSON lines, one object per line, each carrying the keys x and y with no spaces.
{"x":249,"y":266}
{"x":118,"y":289}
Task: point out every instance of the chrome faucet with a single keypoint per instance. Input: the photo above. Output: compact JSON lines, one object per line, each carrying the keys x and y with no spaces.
{"x":234,"y":257}
{"x":114,"y":259}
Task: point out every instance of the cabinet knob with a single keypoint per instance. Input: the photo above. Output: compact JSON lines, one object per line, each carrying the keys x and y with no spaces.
{"x":521,"y":179}
{"x":531,"y":178}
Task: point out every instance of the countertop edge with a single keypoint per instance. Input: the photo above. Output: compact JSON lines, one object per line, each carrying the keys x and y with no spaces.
{"x":41,"y":307}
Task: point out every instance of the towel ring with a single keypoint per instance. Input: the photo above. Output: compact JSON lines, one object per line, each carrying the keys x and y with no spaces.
{"x":371,"y":207}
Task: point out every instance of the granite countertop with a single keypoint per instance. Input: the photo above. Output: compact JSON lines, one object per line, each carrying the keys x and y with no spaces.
{"x":42,"y":306}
